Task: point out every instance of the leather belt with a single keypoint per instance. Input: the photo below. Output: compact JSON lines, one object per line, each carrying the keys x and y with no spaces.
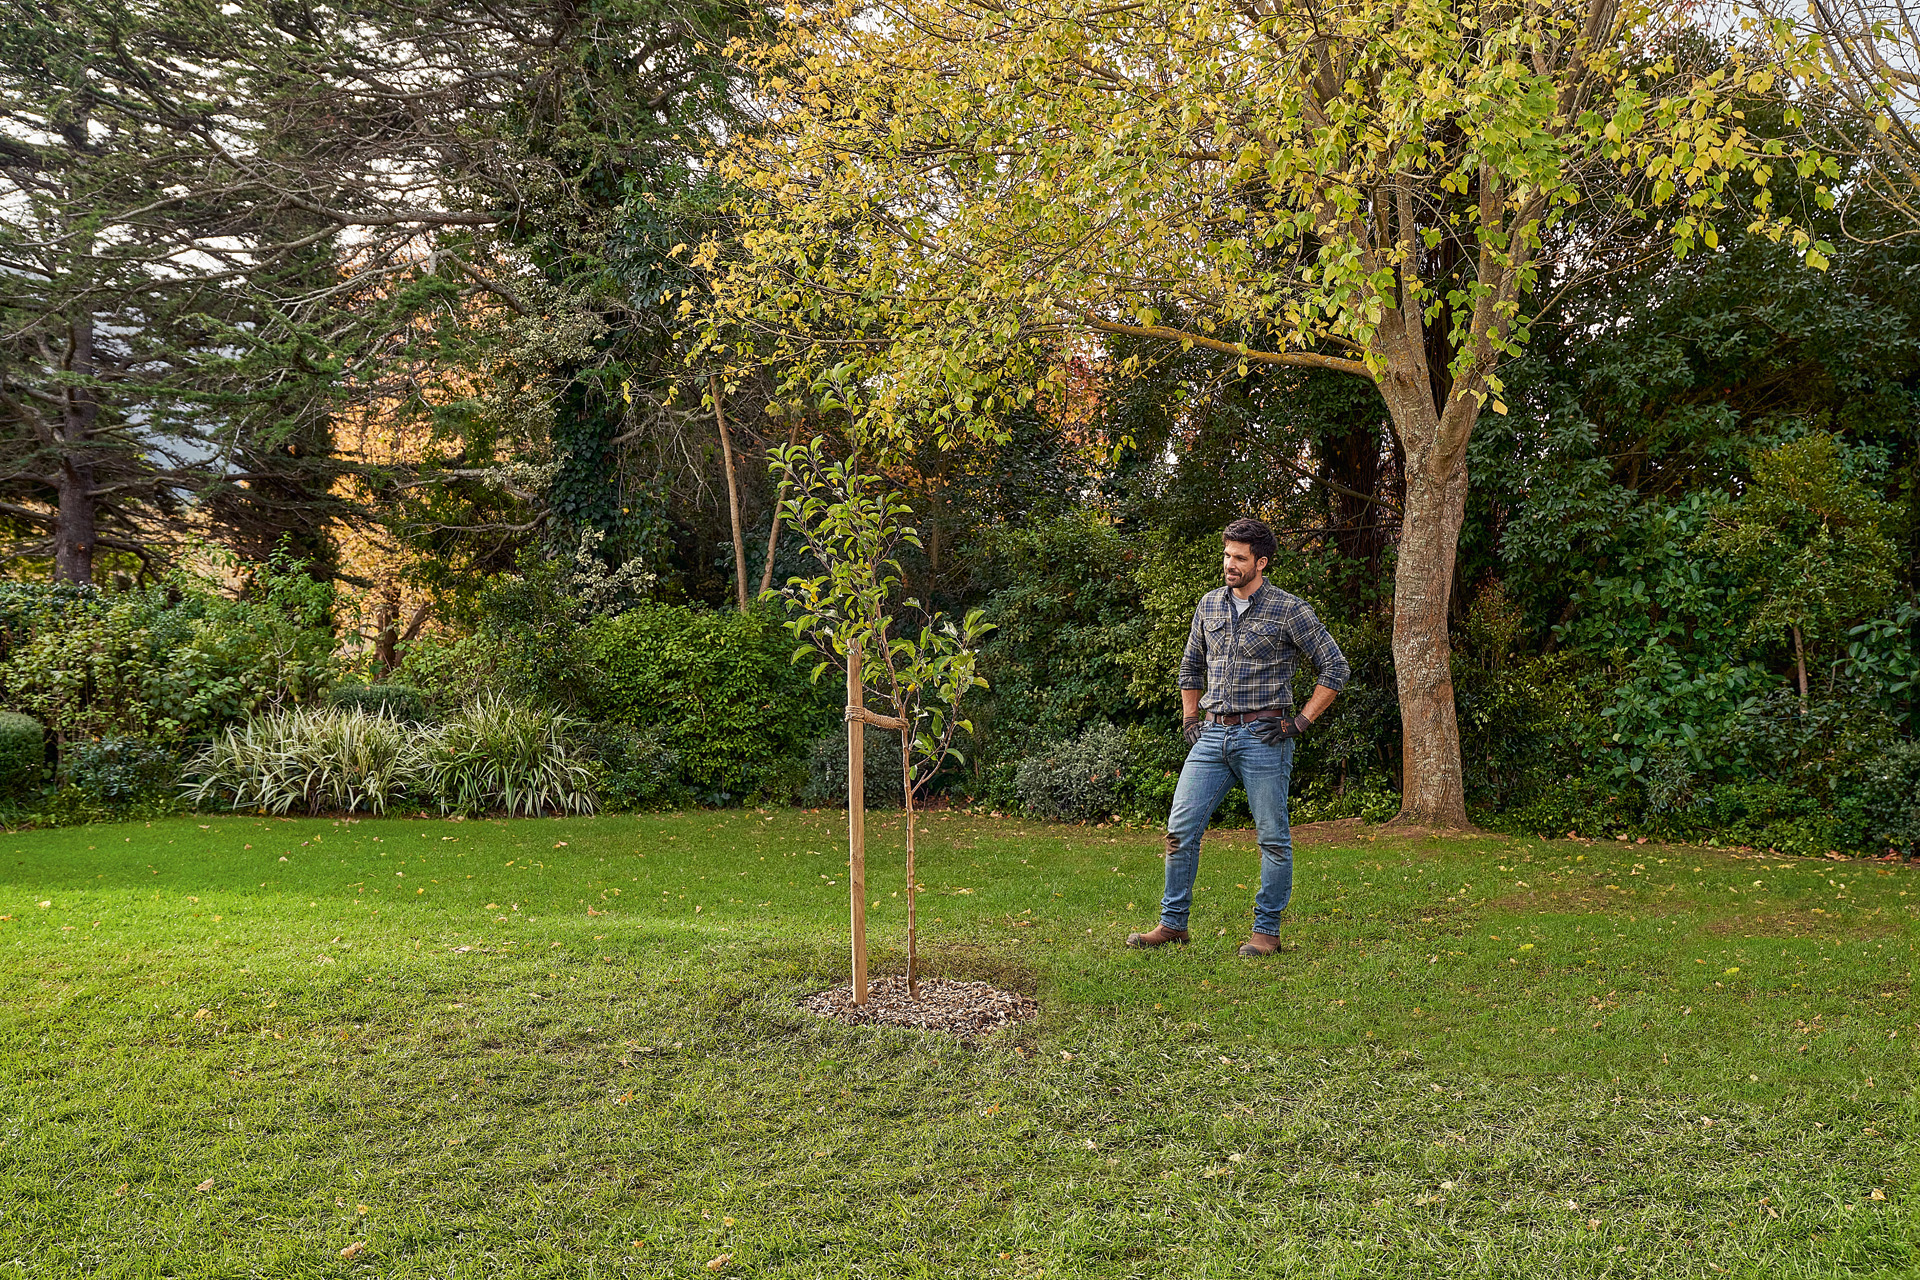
{"x":1241,"y":717}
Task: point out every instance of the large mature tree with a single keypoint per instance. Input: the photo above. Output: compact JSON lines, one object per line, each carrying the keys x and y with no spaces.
{"x":207,"y":210}
{"x":943,"y":187}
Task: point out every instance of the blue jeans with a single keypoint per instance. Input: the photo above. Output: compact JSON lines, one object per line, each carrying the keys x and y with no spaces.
{"x":1226,"y":754}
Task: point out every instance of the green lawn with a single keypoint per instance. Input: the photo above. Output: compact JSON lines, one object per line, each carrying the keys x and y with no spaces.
{"x":236,"y":1046}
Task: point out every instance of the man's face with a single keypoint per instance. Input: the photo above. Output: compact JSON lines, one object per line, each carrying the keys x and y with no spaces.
{"x":1238,"y":565}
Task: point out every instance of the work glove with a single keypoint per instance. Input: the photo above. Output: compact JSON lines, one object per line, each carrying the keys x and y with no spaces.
{"x":1274,"y":730}
{"x":1191,"y":727}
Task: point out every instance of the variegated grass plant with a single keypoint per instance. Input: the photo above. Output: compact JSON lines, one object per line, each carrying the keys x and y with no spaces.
{"x":312,"y":759}
{"x":496,"y":755}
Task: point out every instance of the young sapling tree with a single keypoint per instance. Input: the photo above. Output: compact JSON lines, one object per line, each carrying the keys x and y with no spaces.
{"x":853,"y":523}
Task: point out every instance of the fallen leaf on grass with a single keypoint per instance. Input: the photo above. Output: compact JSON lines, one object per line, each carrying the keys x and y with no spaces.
{"x":354,"y":1250}
{"x":720,"y":1262}
{"x":205,"y":1186}
{"x":121,"y":1190}
{"x":1878,"y":1194}
{"x":1593,"y":1224}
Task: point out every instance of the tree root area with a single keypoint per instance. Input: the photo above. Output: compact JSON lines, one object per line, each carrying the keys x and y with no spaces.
{"x":966,"y":1009}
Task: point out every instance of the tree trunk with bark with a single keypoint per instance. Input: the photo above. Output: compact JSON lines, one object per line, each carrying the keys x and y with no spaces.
{"x":75,"y":536}
{"x":386,"y":629}
{"x":1433,"y":440}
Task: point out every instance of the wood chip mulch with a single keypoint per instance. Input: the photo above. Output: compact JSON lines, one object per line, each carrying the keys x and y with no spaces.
{"x":965,"y":1009}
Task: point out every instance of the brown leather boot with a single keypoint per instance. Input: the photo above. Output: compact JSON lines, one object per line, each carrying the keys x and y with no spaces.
{"x":1158,"y":936}
{"x":1260,"y":944}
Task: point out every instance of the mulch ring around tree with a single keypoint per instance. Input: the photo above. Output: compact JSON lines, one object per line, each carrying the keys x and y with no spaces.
{"x":966,"y":1009}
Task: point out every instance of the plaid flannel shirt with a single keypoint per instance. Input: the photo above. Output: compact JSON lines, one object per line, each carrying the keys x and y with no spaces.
{"x":1245,"y":661}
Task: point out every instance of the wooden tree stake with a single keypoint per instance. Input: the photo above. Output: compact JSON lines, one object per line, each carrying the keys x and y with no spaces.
{"x":857,"y":822}
{"x":906,"y":779}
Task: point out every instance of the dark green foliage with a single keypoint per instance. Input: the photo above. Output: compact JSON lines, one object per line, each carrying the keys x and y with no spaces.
{"x":881,"y":780}
{"x":637,"y":771}
{"x":1889,"y":796}
{"x":720,"y":688}
{"x":402,"y":702}
{"x":120,"y":772}
{"x":1077,"y":779}
{"x":1067,"y":610}
{"x":23,"y":757}
{"x":169,"y":662}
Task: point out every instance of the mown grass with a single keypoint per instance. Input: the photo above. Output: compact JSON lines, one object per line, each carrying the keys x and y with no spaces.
{"x":237,"y":1046}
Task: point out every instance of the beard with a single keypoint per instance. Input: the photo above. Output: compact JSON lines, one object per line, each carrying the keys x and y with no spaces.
{"x":1237,"y":577}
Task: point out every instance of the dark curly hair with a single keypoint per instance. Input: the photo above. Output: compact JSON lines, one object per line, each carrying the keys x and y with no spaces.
{"x":1255,"y":534}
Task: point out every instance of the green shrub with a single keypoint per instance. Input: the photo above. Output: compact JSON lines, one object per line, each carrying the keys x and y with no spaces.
{"x":312,"y":759}
{"x":402,"y":702}
{"x":495,"y":755}
{"x":1591,"y":804}
{"x":637,"y":770}
{"x":1076,"y":780}
{"x":721,"y":689}
{"x":1890,"y":796}
{"x":1369,"y":798}
{"x":170,"y":662}
{"x":881,"y":779}
{"x":23,"y":756}
{"x":120,"y":772}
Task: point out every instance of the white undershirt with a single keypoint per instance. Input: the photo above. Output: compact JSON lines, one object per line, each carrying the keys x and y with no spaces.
{"x":1239,"y":606}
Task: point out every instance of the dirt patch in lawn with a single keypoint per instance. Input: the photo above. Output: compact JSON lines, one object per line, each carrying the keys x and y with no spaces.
{"x":965,"y":1009}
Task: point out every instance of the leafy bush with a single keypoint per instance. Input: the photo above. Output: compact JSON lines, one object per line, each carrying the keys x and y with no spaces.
{"x":1890,"y":796}
{"x":402,"y":702}
{"x":170,"y":662}
{"x":881,"y":777}
{"x":1066,"y":612}
{"x":495,"y":755}
{"x":720,"y":688}
{"x":637,"y":770}
{"x":1369,"y":798}
{"x":23,"y":756}
{"x":120,"y":772}
{"x":312,"y":759}
{"x":1078,"y":779}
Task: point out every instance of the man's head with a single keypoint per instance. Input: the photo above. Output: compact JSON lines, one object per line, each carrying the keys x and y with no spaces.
{"x":1246,"y":550}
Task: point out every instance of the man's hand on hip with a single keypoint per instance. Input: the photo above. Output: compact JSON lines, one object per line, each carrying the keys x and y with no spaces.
{"x":1274,"y":730}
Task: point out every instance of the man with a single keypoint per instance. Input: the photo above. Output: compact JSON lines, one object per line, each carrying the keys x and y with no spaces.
{"x":1236,"y":693}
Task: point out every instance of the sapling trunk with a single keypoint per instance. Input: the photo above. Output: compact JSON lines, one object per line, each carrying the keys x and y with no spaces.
{"x":906,"y":777}
{"x":733,"y":497}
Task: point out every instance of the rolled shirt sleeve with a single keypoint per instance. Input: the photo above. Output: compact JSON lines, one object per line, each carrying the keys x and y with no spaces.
{"x":1311,"y":635}
{"x":1193,"y":663}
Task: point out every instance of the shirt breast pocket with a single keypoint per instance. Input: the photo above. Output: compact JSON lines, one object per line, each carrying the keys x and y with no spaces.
{"x":1261,"y":641}
{"x":1219,"y":645}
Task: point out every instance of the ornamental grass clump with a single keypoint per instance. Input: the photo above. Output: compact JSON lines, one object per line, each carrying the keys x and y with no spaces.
{"x":493,"y":754}
{"x":313,"y":759}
